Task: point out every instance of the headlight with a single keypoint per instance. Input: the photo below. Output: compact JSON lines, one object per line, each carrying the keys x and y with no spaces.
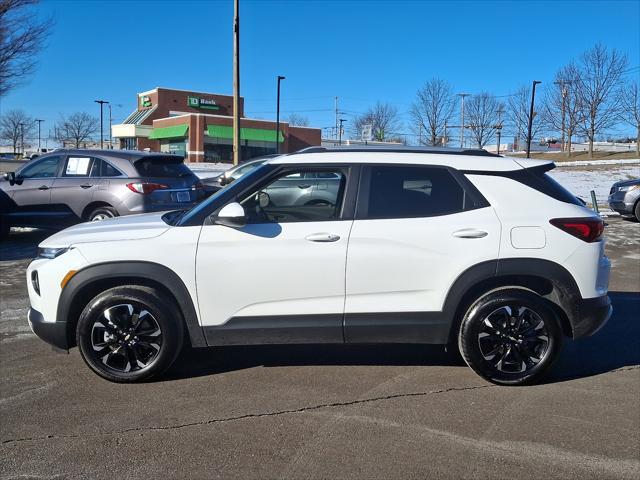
{"x":50,"y":253}
{"x":628,"y":188}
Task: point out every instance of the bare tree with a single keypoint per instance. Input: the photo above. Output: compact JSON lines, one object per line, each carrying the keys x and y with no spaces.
{"x":482,"y":118}
{"x":561,"y":109}
{"x":76,"y":128}
{"x":631,"y":109}
{"x":384,"y":120}
{"x":518,"y":110}
{"x":431,"y":110}
{"x":598,"y":87}
{"x":15,"y":125}
{"x":298,"y":120}
{"x":22,"y":35}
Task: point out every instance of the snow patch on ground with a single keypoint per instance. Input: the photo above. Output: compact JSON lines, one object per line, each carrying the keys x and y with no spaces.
{"x":580,"y":181}
{"x":586,"y":163}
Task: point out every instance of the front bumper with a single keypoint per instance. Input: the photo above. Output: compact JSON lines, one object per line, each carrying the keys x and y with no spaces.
{"x":54,"y":333}
{"x":617,"y":202}
{"x":592,"y":315}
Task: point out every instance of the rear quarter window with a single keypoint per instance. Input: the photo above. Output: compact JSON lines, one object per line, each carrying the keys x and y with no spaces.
{"x":163,"y":167}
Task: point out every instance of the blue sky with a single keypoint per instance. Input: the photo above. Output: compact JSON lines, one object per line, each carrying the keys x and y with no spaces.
{"x":360,"y":51}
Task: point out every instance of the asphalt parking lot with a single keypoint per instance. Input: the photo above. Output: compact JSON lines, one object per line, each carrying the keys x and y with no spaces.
{"x":322,"y":411}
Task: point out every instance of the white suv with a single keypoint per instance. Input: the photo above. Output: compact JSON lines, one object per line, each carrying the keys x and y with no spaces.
{"x":410,"y":246}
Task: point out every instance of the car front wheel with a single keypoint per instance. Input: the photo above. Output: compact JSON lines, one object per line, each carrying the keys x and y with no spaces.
{"x":510,"y":337}
{"x":130,"y":333}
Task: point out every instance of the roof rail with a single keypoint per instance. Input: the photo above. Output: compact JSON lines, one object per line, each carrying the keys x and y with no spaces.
{"x":398,"y":149}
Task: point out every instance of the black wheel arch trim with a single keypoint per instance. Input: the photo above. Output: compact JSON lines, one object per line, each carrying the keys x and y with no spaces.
{"x":565,"y":293}
{"x":130,"y":270}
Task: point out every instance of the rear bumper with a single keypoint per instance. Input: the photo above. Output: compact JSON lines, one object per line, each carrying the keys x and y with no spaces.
{"x":592,"y":314}
{"x":54,"y":333}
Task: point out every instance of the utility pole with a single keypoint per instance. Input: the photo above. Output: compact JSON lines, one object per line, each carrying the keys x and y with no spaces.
{"x":101,"y":102}
{"x":280,"y":77}
{"x":563,"y":111}
{"x":499,"y":128}
{"x":236,"y":82}
{"x":444,"y":139}
{"x":110,"y":139}
{"x":39,"y":122}
{"x":342,"y":120}
{"x":533,"y":97}
{"x":21,"y":138}
{"x":462,"y":95}
{"x":336,"y":117}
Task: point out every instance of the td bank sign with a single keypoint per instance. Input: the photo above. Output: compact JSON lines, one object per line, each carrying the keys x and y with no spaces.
{"x":197,"y":102}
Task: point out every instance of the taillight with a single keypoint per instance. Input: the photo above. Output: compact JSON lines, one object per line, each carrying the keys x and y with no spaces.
{"x":587,"y":229}
{"x":146,"y":187}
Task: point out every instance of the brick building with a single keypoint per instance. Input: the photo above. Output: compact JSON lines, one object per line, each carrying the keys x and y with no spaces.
{"x":199,"y":126}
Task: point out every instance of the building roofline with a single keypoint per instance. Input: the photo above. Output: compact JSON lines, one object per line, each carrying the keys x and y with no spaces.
{"x":182,"y":90}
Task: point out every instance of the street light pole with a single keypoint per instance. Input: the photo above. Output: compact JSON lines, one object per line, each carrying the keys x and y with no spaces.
{"x":462,"y":95}
{"x":533,"y":97}
{"x":280,"y":77}
{"x":39,"y":122}
{"x":236,"y":82}
{"x":101,"y":102}
{"x":21,"y":138}
{"x":342,"y":120}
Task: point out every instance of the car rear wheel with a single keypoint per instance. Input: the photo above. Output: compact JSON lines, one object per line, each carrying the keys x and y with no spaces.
{"x":130,"y":333}
{"x":510,"y":337}
{"x":102,"y":213}
{"x":636,"y":211}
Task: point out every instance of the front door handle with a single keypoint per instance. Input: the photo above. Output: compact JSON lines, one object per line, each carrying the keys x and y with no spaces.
{"x":43,"y":187}
{"x":470,"y":233}
{"x":322,"y":237}
{"x":86,"y":185}
{"x":304,"y":186}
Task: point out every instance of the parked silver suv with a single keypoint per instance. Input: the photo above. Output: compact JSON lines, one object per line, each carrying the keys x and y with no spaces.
{"x":624,"y":198}
{"x":68,"y":186}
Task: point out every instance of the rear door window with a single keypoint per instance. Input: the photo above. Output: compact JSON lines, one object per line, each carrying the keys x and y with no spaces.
{"x":163,"y":167}
{"x":77,"y":166}
{"x":411,"y":191}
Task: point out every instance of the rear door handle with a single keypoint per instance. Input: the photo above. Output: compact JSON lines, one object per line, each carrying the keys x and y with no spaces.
{"x":86,"y":185}
{"x":470,"y":233}
{"x":323,"y":237}
{"x":304,"y":186}
{"x":43,"y":187}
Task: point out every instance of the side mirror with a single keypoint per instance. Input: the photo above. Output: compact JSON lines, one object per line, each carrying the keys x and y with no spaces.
{"x":231,"y":215}
{"x":224,"y":180}
{"x":10,"y":177}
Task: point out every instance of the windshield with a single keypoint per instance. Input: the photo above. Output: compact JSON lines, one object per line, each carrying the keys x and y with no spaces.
{"x":205,"y":206}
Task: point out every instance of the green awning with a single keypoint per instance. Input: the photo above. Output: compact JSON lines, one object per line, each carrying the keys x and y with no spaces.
{"x":177,"y":131}
{"x":254,"y":134}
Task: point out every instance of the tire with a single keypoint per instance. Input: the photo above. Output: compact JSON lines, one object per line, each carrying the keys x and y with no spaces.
{"x":102,"y":213}
{"x":122,"y":343}
{"x":636,"y":211}
{"x":510,"y":337}
{"x":5,"y":227}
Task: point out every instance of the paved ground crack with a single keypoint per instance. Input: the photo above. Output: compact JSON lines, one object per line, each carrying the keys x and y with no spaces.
{"x":249,"y":415}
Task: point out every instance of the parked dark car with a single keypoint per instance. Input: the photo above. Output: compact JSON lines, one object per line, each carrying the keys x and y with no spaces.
{"x":624,"y":198}
{"x":70,"y":186}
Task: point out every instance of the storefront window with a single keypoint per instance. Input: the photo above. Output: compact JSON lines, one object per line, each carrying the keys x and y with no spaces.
{"x":221,"y":149}
{"x":174,"y":146}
